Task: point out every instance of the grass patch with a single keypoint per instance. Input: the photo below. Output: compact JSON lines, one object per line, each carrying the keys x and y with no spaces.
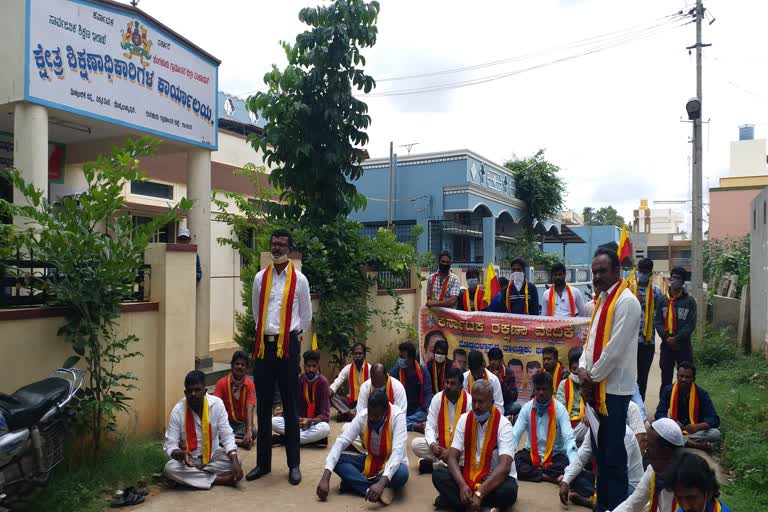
{"x":87,"y":487}
{"x":738,"y":385}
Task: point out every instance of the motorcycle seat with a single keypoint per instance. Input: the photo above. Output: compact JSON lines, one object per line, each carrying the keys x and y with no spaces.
{"x":28,"y":404}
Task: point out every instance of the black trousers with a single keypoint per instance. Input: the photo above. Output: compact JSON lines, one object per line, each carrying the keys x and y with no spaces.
{"x":527,"y":472}
{"x":645,"y":354}
{"x":284,"y":372}
{"x":612,"y":478}
{"x":502,"y":497}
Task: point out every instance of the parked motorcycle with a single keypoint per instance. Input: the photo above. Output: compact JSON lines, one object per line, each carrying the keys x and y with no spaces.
{"x":32,"y":428}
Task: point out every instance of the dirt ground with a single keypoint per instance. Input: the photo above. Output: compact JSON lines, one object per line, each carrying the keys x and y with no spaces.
{"x":275,"y":493}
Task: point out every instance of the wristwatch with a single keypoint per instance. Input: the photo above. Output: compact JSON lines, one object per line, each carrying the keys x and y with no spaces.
{"x":479,"y":494}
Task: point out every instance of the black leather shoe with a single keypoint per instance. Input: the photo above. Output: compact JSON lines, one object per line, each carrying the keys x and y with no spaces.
{"x":257,"y":473}
{"x":294,"y":476}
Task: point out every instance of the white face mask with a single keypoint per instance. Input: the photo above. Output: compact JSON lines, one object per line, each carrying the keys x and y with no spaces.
{"x":517,"y":279}
{"x":279,"y":259}
{"x":440,"y":358}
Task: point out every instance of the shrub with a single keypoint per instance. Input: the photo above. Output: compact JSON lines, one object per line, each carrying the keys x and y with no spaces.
{"x":714,"y":348}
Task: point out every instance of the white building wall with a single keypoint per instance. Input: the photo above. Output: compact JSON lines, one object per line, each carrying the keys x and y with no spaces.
{"x":758,"y":278}
{"x":748,"y":158}
{"x":12,"y":35}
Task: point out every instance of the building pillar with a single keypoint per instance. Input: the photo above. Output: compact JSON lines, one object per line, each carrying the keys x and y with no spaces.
{"x":30,"y":146}
{"x":199,"y":224}
{"x":489,"y":240}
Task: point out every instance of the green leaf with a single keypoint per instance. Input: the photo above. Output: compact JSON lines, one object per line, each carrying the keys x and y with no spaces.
{"x":71,"y":362}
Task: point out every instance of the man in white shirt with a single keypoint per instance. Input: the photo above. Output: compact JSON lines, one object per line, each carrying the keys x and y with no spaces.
{"x":477,"y":371}
{"x":483,"y":481}
{"x":444,"y":412}
{"x":665,"y":442}
{"x":193,"y":462}
{"x":347,"y":405}
{"x":568,"y":302}
{"x":539,"y":419}
{"x":384,"y":470}
{"x":276,"y":354}
{"x":608,"y":373}
{"x":578,"y":481}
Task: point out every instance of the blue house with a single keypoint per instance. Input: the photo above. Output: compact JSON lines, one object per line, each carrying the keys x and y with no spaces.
{"x":465,"y":203}
{"x":580,"y":254}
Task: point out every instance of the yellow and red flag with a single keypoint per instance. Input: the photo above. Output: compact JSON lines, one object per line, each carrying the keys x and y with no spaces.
{"x":491,"y":288}
{"x":625,"y":246}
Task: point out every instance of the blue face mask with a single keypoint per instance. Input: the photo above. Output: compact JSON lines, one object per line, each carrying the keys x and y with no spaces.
{"x":382,"y":388}
{"x":541,"y":409}
{"x":376,"y":425}
{"x":482,"y":418}
{"x":472,"y":282}
{"x":643,"y":278}
{"x":401,"y":363}
{"x":311,"y":377}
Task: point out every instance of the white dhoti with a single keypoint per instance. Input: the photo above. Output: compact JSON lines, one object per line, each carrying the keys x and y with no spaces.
{"x":313,"y":434}
{"x":199,"y":478}
{"x":357,"y":444}
{"x":422,"y":450}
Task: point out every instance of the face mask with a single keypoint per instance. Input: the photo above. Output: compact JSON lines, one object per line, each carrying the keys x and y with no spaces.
{"x":382,"y":388}
{"x":444,"y":268}
{"x":401,"y":363}
{"x":482,"y":418}
{"x":676,"y":284}
{"x":472,"y":282}
{"x":376,"y":425}
{"x":311,"y":377}
{"x":279,"y":259}
{"x":440,"y":358}
{"x":358,"y":362}
{"x":643,"y":278}
{"x":517,"y":279}
{"x":541,"y":409}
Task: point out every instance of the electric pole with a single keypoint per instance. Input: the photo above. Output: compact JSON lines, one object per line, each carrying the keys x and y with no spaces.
{"x":697,"y":249}
{"x":390,"y":177}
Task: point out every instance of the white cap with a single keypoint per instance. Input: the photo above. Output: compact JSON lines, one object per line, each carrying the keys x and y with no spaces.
{"x":669,"y":430}
{"x":183,"y":232}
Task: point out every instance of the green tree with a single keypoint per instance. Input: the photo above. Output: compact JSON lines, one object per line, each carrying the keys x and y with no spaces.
{"x":605,"y":216}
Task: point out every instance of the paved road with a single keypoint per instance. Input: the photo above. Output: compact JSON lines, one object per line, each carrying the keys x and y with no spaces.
{"x":275,"y":493}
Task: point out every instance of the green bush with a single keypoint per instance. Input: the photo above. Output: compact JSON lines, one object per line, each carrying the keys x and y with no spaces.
{"x":714,"y":347}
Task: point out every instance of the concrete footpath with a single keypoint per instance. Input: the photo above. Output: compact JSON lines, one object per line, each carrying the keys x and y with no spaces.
{"x":275,"y":493}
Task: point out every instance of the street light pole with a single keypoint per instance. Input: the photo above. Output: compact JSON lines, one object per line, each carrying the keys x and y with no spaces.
{"x":697,"y":249}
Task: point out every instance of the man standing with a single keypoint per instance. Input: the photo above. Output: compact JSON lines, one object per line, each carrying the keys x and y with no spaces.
{"x":444,"y":411}
{"x":314,"y":406}
{"x":675,"y":321}
{"x":507,"y":382}
{"x":477,"y":371}
{"x":560,"y":300}
{"x":483,"y":438}
{"x":238,"y":393}
{"x":460,"y":359}
{"x":199,"y":440}
{"x":646,"y":339}
{"x":692,"y":409}
{"x":354,"y":374}
{"x":473,"y":298}
{"x":549,"y":446}
{"x":520,"y":296}
{"x":384,"y":469}
{"x":608,"y":373}
{"x":417,"y":383}
{"x":551,"y":360}
{"x":184,"y":238}
{"x":443,"y":286}
{"x":282,"y":310}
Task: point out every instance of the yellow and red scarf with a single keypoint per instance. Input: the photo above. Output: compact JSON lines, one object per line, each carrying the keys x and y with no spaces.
{"x":570,"y":396}
{"x":472,"y":379}
{"x":402,"y":378}
{"x":354,"y":385}
{"x":286,"y":312}
{"x":446,"y":428}
{"x":649,"y":309}
{"x":536,"y":460}
{"x":438,"y":376}
{"x":553,"y":296}
{"x":310,"y":397}
{"x":374,"y":463}
{"x":603,"y":335}
{"x":478,"y":300}
{"x":191,"y":433}
{"x":655,"y":498}
{"x":693,"y":404}
{"x":557,"y":377}
{"x":443,"y":287}
{"x":670,"y":322}
{"x":241,"y":405}
{"x":474,"y":471}
{"x":525,"y":293}
{"x":390,"y":392}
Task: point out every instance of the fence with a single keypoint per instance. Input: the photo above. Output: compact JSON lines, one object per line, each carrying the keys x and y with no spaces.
{"x":389,"y":280}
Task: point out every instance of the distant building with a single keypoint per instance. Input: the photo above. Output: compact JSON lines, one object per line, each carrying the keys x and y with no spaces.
{"x":667,"y":250}
{"x":656,"y":220}
{"x":571,"y":218}
{"x":729,"y":204}
{"x":580,"y":254}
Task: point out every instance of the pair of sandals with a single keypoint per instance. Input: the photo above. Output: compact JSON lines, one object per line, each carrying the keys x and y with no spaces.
{"x":128,"y":497}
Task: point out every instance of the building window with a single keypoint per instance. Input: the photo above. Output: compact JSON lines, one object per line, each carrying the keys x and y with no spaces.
{"x":152,"y":189}
{"x":658,"y":253}
{"x":165,"y":234}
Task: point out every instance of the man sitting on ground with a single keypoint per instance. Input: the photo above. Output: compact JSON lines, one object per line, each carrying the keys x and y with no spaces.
{"x":692,"y":409}
{"x":238,"y":393}
{"x":197,"y":430}
{"x":507,"y":381}
{"x":444,"y":411}
{"x":460,"y":359}
{"x":665,"y":442}
{"x":551,"y":360}
{"x":478,"y":371}
{"x":314,"y":406}
{"x":384,"y":469}
{"x":569,"y":394}
{"x":550,"y":446}
{"x":694,"y":484}
{"x":418,"y":386}
{"x":439,"y":363}
{"x":483,"y":438}
{"x":354,"y":374}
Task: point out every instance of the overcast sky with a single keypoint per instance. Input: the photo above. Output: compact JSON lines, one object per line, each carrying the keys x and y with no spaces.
{"x":611,"y":119}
